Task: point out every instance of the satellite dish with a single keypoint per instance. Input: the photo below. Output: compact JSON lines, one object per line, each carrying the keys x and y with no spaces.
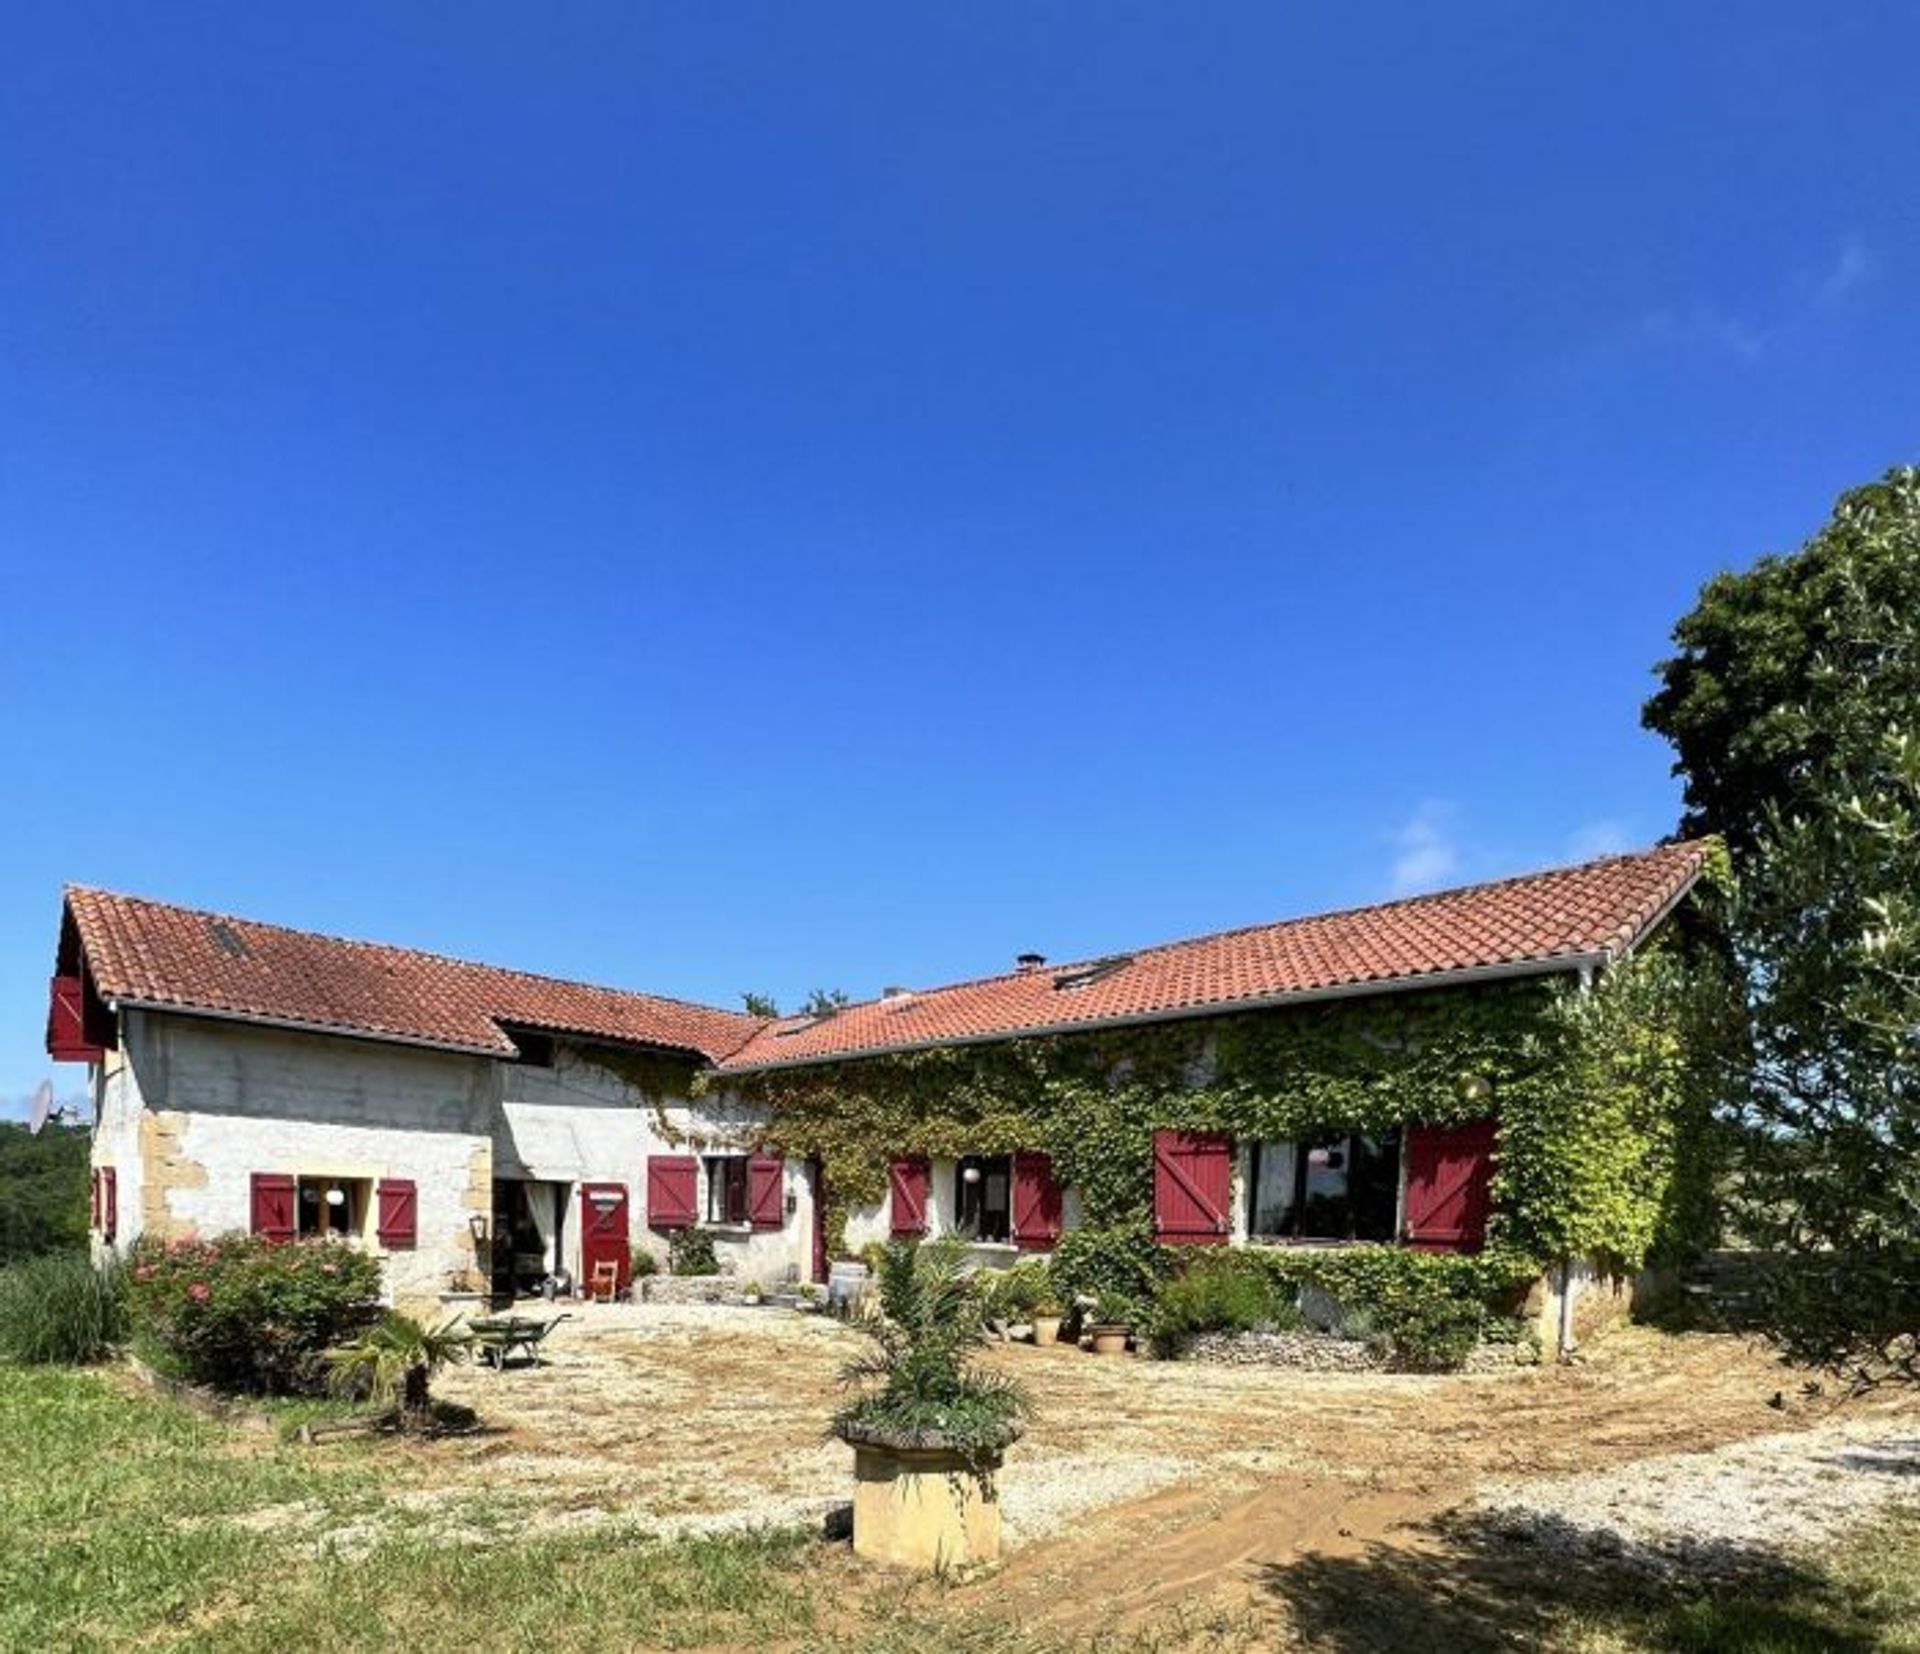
{"x":42,"y":1110}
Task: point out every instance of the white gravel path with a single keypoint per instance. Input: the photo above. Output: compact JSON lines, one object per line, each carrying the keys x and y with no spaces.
{"x":1749,"y":1505}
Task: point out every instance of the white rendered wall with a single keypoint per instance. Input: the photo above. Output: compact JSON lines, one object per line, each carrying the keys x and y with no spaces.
{"x":225,"y":1100}
{"x":577,"y":1122}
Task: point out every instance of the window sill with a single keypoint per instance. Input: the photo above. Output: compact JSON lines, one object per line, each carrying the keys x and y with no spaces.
{"x":1313,"y":1243}
{"x":727,"y":1231}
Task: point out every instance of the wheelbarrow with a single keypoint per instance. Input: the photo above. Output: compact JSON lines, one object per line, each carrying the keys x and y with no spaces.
{"x":497,"y":1337}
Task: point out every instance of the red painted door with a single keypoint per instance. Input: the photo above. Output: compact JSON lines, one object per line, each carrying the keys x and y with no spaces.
{"x":603,"y":1231}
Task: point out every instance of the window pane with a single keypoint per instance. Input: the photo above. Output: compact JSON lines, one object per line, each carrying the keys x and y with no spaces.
{"x":1323,"y":1207}
{"x":1273,"y":1180}
{"x":982,"y":1202}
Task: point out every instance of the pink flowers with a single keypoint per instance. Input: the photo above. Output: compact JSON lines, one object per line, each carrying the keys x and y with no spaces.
{"x":144,"y":1272}
{"x":199,"y":1292}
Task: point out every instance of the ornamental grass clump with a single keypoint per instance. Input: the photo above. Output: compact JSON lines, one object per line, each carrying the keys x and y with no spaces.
{"x":921,"y":1387}
{"x":242,"y":1313}
{"x":60,"y":1310}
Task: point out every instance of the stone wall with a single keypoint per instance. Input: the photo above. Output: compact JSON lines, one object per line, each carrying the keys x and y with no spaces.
{"x":218,"y":1101}
{"x":578,"y":1122}
{"x":188,"y":1109}
{"x":1318,"y":1353}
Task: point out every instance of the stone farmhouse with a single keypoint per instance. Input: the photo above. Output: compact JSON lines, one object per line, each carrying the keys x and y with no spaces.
{"x":486,"y":1129}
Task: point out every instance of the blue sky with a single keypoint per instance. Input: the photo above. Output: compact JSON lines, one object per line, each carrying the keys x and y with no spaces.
{"x":707,"y":498}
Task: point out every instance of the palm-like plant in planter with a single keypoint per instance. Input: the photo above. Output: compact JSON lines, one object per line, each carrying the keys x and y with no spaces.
{"x":392,"y":1365}
{"x":930,"y":1428}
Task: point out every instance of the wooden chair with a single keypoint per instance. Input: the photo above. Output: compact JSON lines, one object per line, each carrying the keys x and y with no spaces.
{"x":606,"y":1280}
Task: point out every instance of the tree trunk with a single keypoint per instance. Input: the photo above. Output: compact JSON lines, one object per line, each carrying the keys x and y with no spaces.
{"x":416,"y":1409}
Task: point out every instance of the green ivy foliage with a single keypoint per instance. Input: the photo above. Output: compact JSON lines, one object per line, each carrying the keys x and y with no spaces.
{"x":1600,"y":1098}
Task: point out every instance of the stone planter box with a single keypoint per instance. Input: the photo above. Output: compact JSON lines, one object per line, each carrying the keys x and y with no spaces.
{"x":925,"y":1507}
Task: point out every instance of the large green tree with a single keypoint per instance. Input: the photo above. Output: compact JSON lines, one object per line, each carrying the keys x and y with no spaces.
{"x":43,"y":1190}
{"x":1794,"y":705}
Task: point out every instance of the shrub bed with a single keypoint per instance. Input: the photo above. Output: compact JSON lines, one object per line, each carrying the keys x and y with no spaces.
{"x":241,"y":1313}
{"x":1218,"y":1293}
{"x":690,"y":1252}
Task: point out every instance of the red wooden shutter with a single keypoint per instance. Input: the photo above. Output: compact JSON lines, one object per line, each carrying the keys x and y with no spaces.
{"x":273,"y":1205}
{"x":67,"y":1039}
{"x":93,"y":1196}
{"x":1192,"y":1187}
{"x":1449,"y":1177}
{"x":1036,"y":1202}
{"x":398,"y":1222}
{"x":907,"y":1186}
{"x":672,"y":1186}
{"x":767,"y":1192}
{"x":109,"y":1201}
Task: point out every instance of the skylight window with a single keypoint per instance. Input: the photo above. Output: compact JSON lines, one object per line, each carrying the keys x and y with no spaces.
{"x":1096,"y":970}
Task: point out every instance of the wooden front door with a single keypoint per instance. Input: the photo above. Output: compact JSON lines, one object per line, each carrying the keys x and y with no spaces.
{"x":603,"y":1231}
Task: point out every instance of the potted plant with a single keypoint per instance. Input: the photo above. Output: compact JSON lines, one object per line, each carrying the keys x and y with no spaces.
{"x":1047,"y":1316}
{"x":1110,"y":1324}
{"x":928,"y":1430}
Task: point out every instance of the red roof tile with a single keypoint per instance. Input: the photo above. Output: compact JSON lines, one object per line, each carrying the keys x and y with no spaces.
{"x":148,"y":953}
{"x":1555,"y":920}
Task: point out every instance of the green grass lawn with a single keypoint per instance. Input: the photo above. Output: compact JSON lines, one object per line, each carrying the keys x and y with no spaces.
{"x":131,"y":1522}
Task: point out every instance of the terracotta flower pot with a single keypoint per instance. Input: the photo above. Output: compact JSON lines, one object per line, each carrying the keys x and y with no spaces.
{"x":1109,"y":1340}
{"x":1046,"y":1330}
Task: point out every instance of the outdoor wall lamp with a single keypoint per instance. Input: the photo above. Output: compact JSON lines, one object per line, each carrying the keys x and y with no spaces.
{"x":970,"y":1175}
{"x":477,"y":1222}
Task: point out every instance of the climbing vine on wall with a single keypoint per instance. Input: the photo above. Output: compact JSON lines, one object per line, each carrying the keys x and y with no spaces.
{"x":1598,"y":1096}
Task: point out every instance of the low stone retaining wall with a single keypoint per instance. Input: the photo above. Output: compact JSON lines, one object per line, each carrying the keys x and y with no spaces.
{"x":1308,"y":1351}
{"x":1315,"y":1352}
{"x":226,"y":1409}
{"x":690,"y":1289}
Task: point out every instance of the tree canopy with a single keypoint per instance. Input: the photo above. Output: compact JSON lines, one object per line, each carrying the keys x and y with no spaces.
{"x":43,"y":1190}
{"x":1794,"y":706}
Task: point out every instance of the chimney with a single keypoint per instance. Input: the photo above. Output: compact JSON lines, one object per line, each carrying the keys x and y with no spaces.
{"x":1026,"y":963}
{"x":893,"y":990}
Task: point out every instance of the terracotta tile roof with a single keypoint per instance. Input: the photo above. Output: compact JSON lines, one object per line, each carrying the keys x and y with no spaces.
{"x":1543,"y":921}
{"x":149,"y":953}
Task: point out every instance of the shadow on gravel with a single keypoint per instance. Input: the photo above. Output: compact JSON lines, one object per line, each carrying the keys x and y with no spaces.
{"x":1511,"y":1580}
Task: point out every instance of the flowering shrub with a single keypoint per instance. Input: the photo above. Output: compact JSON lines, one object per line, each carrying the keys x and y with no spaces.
{"x":243,"y":1313}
